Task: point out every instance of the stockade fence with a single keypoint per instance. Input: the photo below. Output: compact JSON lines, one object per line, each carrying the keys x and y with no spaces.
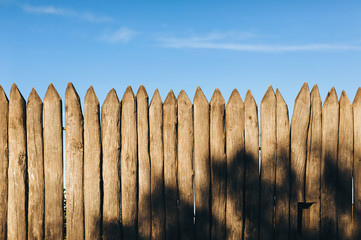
{"x":138,"y":171}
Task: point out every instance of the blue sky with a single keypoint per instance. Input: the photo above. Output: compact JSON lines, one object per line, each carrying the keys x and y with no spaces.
{"x":181,"y":45}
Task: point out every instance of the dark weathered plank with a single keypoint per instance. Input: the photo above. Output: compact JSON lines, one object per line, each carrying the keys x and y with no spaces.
{"x":17,"y":166}
{"x":251,"y":137}
{"x":299,"y":130}
{"x":129,"y":165}
{"x":111,"y":152}
{"x":218,"y":166}
{"x":170,"y":166}
{"x":144,"y":206}
{"x":268,"y":163}
{"x":235,"y":166}
{"x":92,"y":161}
{"x":282,"y":194}
{"x":34,"y":129}
{"x":330,"y":121}
{"x":157,"y":166}
{"x":53,"y":164}
{"x":4,"y":162}
{"x":185,"y":166}
{"x":201,"y":166}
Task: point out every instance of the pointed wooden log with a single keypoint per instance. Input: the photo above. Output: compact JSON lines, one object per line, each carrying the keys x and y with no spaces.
{"x":251,"y":137}
{"x":330,"y":122}
{"x":156,"y":161}
{"x":268,"y":163}
{"x":218,"y":166}
{"x":144,"y":204}
{"x":129,"y":165}
{"x":170,"y":166}
{"x":311,"y":216}
{"x":92,"y":163}
{"x":235,"y":166}
{"x":17,"y":166}
{"x":34,"y":128}
{"x":344,"y":169}
{"x":282,"y":194}
{"x":299,"y":130}
{"x":4,"y":162}
{"x":111,"y":152}
{"x":53,"y":164}
{"x":185,"y":166}
{"x":201,"y":166}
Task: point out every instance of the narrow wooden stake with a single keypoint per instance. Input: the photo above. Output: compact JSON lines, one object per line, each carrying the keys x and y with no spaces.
{"x":282,"y":194}
{"x":144,"y":204}
{"x":330,"y":122}
{"x":34,"y":128}
{"x":111,"y":153}
{"x":53,"y":164}
{"x":218,"y":166}
{"x":17,"y":166}
{"x":92,"y":164}
{"x":235,"y":166}
{"x":251,"y":138}
{"x":129,"y":166}
{"x":156,"y":161}
{"x":201,"y":166}
{"x":185,"y":166}
{"x":4,"y":162}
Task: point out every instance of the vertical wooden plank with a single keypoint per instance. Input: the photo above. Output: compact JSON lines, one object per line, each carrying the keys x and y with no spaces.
{"x":17,"y":166}
{"x":218,"y":166}
{"x":344,"y":169}
{"x":299,"y":130}
{"x":170,"y":166}
{"x":92,"y":161}
{"x":156,"y":161}
{"x":53,"y":164}
{"x":185,"y":166}
{"x":129,"y":162}
{"x":144,"y":205}
{"x":311,"y":216}
{"x":330,"y":121}
{"x":4,"y":162}
{"x":282,"y":194}
{"x":34,"y":129}
{"x":235,"y":166}
{"x":202,"y":173}
{"x":251,"y":140}
{"x":268,"y":163}
{"x":111,"y":152}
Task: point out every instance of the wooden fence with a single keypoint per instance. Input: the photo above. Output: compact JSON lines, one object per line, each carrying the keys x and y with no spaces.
{"x":138,"y":171}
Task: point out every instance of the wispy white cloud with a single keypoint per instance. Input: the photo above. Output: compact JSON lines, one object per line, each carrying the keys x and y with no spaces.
{"x":123,"y":35}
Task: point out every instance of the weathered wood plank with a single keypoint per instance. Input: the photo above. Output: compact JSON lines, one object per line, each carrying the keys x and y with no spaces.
{"x":53,"y":164}
{"x":299,"y":130}
{"x":111,"y":152}
{"x":185,"y":166}
{"x":330,"y":121}
{"x":4,"y":162}
{"x":170,"y":166}
{"x":201,"y":166}
{"x":344,"y":169}
{"x":282,"y":194}
{"x":268,"y":163}
{"x":218,"y":166}
{"x":129,"y":165}
{"x":34,"y":129}
{"x":17,"y":166}
{"x":157,"y":166}
{"x":235,"y":166}
{"x":144,"y":204}
{"x":251,"y":137}
{"x":92,"y":163}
